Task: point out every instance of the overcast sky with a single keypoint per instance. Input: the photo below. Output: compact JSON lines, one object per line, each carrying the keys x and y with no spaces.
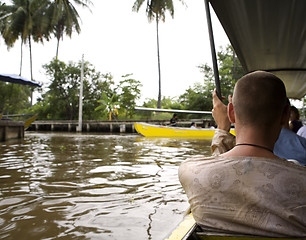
{"x":117,"y":40}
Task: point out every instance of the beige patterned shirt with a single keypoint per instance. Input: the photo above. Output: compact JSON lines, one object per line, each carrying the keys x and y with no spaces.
{"x":250,"y":195}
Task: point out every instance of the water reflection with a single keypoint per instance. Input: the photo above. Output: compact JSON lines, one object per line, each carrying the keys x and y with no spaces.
{"x":87,"y":186}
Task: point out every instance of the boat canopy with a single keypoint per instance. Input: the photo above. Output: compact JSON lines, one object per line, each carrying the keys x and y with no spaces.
{"x":268,"y":35}
{"x":13,"y":78}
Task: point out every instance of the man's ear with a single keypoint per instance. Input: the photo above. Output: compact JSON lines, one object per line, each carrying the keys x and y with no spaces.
{"x":231,"y":113}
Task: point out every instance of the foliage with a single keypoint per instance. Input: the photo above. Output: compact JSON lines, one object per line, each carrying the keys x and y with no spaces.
{"x":230,"y":70}
{"x":108,"y":105}
{"x":128,"y":92}
{"x":101,"y":97}
{"x":167,"y":103}
{"x":61,"y":101}
{"x":64,"y":18}
{"x":123,"y":97}
{"x":196,"y":98}
{"x":14,"y":98}
{"x":38,"y":20}
{"x":22,"y":19}
{"x":199,"y":97}
{"x":156,"y":9}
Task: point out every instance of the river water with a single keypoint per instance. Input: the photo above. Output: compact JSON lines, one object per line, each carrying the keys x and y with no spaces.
{"x":92,"y":186}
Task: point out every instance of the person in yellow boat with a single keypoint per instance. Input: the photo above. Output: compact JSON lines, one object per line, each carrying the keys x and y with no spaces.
{"x":244,"y":188}
{"x":173,"y":120}
{"x":193,"y":125}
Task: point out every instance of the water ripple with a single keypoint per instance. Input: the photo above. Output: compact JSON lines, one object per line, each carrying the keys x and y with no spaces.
{"x":91,"y":186}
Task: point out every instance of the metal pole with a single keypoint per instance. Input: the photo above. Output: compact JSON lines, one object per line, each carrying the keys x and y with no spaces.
{"x":79,"y":127}
{"x":213,"y":50}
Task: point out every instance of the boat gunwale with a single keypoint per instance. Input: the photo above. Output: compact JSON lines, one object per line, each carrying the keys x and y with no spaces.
{"x":172,"y":127}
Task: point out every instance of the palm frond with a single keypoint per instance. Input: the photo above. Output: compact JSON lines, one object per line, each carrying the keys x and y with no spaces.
{"x":156,"y":9}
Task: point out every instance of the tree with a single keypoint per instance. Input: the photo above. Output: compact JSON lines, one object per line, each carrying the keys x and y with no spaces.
{"x":123,"y":98}
{"x":64,"y":18}
{"x":199,"y":97}
{"x":61,"y":100}
{"x":14,"y":98}
{"x":108,"y":105}
{"x":129,"y":92}
{"x":22,"y":19}
{"x":156,"y":9}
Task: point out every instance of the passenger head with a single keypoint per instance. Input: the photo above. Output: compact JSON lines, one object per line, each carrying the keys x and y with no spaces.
{"x":294,"y":113}
{"x":286,"y":123}
{"x":259,"y":99}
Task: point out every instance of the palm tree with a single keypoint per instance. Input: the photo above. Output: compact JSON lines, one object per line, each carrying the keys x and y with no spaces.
{"x":108,"y":104}
{"x":156,"y":9}
{"x":65,"y":18}
{"x":22,"y":19}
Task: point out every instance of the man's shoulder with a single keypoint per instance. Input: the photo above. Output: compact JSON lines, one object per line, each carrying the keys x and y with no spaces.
{"x":199,"y":162}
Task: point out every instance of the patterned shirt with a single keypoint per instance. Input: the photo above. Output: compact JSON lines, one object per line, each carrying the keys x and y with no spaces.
{"x":249,"y":195}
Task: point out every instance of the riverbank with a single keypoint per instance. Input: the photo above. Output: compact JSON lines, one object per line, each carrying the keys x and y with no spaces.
{"x":105,"y":126}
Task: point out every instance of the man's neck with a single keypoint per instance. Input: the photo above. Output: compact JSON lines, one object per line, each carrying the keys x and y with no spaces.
{"x":253,"y":142}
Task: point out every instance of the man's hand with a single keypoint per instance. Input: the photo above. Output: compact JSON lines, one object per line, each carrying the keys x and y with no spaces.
{"x":219,"y":113}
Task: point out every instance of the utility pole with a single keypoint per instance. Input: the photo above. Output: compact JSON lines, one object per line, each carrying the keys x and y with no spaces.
{"x":79,"y":127}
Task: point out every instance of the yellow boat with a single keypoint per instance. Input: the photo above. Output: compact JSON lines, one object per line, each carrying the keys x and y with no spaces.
{"x":150,"y":130}
{"x":28,"y":121}
{"x":187,"y":229}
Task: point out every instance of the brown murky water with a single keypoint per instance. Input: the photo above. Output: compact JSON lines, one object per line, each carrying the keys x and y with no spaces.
{"x":90,"y":186}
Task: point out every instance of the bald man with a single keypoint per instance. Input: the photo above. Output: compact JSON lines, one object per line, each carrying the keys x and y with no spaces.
{"x":247,"y":189}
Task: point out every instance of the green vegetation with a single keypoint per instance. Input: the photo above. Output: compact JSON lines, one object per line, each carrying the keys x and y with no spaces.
{"x":38,"y":20}
{"x":103,"y":99}
{"x":14,"y":98}
{"x":100,"y":94}
{"x":199,"y":96}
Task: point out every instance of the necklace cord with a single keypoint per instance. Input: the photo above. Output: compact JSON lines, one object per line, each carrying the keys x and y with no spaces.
{"x":254,"y":145}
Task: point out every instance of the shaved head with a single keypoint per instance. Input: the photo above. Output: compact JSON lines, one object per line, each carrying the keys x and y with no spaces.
{"x":259,"y":99}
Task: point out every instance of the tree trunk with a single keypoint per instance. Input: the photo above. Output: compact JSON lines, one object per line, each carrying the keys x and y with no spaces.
{"x":57,"y":47}
{"x":30,"y":45}
{"x":21,"y":57}
{"x":31,"y":68}
{"x":158,"y":58}
{"x":59,"y":33}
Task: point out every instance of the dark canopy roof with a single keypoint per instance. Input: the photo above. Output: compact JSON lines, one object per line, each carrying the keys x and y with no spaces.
{"x":268,"y":35}
{"x":13,"y":78}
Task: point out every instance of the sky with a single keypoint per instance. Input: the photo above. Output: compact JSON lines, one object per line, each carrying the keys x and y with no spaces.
{"x":119,"y":41}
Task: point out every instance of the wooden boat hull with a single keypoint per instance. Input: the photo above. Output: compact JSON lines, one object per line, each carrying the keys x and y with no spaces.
{"x":150,"y":130}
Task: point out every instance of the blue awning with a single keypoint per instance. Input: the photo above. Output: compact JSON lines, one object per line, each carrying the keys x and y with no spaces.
{"x":13,"y":78}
